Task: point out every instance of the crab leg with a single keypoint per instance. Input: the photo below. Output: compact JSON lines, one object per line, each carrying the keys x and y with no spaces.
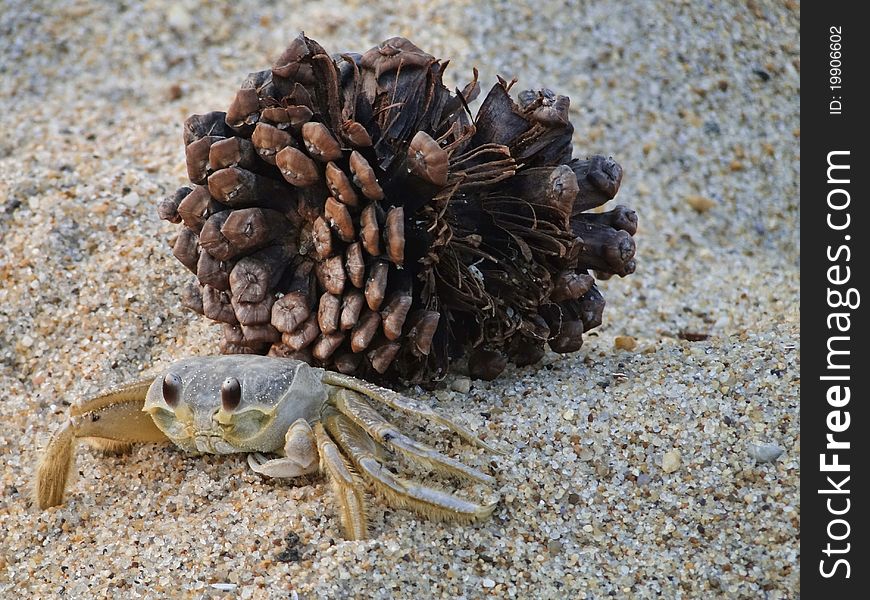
{"x":112,"y":421}
{"x":399,"y":492}
{"x":349,"y":494}
{"x":357,"y":408}
{"x":398,"y":402}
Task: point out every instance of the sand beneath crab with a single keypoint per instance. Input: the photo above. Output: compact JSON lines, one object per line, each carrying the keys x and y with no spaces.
{"x":634,"y":471}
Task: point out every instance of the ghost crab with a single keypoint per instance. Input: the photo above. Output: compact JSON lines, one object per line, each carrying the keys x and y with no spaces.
{"x":314,"y":419}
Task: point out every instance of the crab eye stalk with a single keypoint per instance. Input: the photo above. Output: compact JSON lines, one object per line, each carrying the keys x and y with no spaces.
{"x":231,"y":394}
{"x":171,"y":389}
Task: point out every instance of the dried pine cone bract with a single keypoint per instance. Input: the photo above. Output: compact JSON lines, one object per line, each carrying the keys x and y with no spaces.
{"x":347,"y":210}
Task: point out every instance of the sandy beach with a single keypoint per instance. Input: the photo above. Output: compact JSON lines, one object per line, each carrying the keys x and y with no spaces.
{"x":662,"y":466}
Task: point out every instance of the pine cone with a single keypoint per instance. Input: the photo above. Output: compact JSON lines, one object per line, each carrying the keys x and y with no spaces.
{"x":347,"y":211}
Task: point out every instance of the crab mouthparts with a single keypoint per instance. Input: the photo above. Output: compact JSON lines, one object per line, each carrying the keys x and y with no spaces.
{"x":209,"y":442}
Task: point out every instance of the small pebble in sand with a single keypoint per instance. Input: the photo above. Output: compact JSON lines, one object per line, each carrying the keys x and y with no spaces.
{"x":224,"y":587}
{"x":671,"y":461}
{"x":132,"y":199}
{"x":625,"y":342}
{"x":700,"y":203}
{"x":178,"y":18}
{"x":765,"y":453}
{"x":461,"y":385}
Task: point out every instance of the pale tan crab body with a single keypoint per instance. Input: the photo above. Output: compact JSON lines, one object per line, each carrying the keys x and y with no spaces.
{"x":275,"y":393}
{"x":313,"y":419}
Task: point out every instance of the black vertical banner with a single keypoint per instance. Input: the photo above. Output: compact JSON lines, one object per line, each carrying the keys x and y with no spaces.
{"x":835,"y":369}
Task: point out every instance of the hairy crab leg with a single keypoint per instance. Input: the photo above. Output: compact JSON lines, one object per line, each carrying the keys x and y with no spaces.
{"x":357,"y":408}
{"x":398,"y":402}
{"x":348,"y":490}
{"x":399,"y":492}
{"x":111,"y":421}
